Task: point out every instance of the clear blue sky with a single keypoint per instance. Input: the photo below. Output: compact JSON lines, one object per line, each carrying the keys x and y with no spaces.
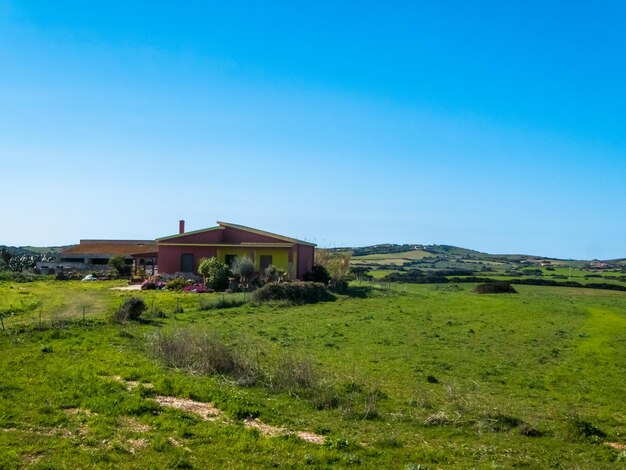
{"x":498,"y":126}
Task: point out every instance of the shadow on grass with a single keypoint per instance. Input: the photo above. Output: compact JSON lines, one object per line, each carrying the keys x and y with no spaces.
{"x":148,"y":321}
{"x":359,"y":292}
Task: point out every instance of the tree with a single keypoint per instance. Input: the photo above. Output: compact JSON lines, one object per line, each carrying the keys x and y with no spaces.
{"x":215,"y":273}
{"x":118,"y":263}
{"x":5,"y":255}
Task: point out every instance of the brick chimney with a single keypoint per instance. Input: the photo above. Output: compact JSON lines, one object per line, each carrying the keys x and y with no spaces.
{"x":181,"y":227}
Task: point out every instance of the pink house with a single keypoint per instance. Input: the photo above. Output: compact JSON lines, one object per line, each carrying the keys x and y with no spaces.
{"x":182,"y":252}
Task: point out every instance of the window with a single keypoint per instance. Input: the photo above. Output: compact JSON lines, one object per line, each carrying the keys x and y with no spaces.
{"x":264,"y":262}
{"x":229,"y":260}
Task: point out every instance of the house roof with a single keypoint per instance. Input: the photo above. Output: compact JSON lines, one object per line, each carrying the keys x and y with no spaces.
{"x":223,"y":225}
{"x":267,"y":234}
{"x":111,"y":247}
{"x":189,"y":233}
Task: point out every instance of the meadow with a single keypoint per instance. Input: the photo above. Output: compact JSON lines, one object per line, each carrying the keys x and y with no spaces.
{"x":408,"y":376}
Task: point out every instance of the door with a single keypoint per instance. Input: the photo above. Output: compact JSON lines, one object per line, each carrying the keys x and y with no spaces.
{"x":264,"y":262}
{"x":186,"y":263}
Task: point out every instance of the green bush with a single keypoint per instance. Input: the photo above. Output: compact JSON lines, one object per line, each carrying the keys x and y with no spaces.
{"x":215,"y":273}
{"x":178,"y":283}
{"x":118,"y":264}
{"x":339,"y":286}
{"x":295,"y":292}
{"x":495,"y":288}
{"x":131,"y":309}
{"x":317,"y":274}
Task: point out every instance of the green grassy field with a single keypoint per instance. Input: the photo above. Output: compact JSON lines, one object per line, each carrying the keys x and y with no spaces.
{"x":392,"y":258}
{"x":415,"y":376}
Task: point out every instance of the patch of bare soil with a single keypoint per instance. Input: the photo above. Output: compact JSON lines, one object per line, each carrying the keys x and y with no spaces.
{"x":31,"y":459}
{"x":177,"y":443}
{"x":204,"y":410}
{"x":133,"y":425}
{"x":616,"y":445}
{"x":131,"y":384}
{"x":78,"y":411}
{"x":131,"y":287}
{"x":268,"y":430}
{"x":137,"y":444}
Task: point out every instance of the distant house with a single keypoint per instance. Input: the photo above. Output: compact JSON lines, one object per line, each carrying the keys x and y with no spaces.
{"x":182,"y":252}
{"x":94,"y":255}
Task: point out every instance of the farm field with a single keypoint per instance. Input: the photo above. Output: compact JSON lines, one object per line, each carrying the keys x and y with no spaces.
{"x":412,"y":376}
{"x":467,"y":263}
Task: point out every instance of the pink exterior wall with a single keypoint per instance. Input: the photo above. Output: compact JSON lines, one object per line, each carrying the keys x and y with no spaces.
{"x":170,"y":256}
{"x":306,"y":255}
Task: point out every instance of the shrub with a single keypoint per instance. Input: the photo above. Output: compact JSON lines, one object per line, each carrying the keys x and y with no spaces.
{"x":198,"y":289}
{"x":293,"y":373}
{"x":340,"y":286}
{"x":584,"y":429}
{"x":178,"y":283}
{"x":318,"y":274}
{"x":271,"y":274}
{"x":215,"y":273}
{"x":203,"y":353}
{"x":295,"y":292}
{"x":118,"y":263}
{"x":495,"y":288}
{"x":243,"y":267}
{"x":131,"y":309}
{"x":19,"y":277}
{"x":337,"y":264}
{"x":222,"y":303}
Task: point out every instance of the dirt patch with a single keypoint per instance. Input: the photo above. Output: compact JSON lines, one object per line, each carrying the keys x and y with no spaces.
{"x":205,"y":410}
{"x":311,"y":437}
{"x":177,"y":443}
{"x":78,"y":411}
{"x":49,"y":432}
{"x":131,"y":384}
{"x":136,"y":444}
{"x":133,"y":425}
{"x":263,"y":428}
{"x":131,"y":287}
{"x":271,"y":431}
{"x":31,"y":459}
{"x":616,"y":445}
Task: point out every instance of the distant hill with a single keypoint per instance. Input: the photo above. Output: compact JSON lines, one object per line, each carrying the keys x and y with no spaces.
{"x":450,"y":251}
{"x":34,"y":250}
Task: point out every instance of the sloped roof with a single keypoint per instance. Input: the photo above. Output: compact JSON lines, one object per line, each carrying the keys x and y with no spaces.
{"x":189,"y":233}
{"x":222,"y":225}
{"x":111,"y":247}
{"x":263,"y":232}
